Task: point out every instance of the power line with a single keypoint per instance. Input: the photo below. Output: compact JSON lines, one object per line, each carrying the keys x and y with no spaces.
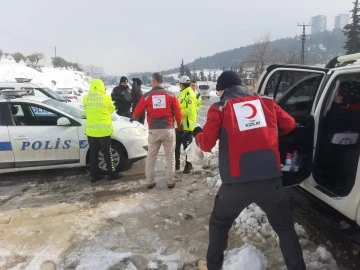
{"x":23,"y":39}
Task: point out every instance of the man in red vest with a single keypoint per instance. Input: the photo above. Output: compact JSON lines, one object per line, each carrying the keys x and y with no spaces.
{"x":162,"y":107}
{"x":247,"y":127}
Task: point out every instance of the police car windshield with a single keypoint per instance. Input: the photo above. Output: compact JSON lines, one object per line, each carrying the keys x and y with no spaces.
{"x":75,"y":112}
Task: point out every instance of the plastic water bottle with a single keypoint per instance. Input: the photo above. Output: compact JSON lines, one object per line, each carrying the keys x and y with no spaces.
{"x":295,"y":161}
{"x":288,"y":159}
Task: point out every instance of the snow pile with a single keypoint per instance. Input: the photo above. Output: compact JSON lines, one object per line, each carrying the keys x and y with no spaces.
{"x":246,"y":257}
{"x":252,"y":224}
{"x":321,"y":258}
{"x":9,"y":70}
{"x":67,"y":78}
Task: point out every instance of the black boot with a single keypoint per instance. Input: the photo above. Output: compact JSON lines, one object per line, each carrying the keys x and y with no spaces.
{"x":114,"y":176}
{"x":188,"y":167}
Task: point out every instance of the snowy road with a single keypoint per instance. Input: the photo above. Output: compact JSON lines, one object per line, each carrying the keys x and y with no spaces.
{"x":58,"y":220}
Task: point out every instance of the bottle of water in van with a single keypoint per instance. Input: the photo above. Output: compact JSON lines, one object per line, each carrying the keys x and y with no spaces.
{"x":295,"y":161}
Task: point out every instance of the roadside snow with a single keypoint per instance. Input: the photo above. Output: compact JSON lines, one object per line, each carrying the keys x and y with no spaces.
{"x":9,"y":70}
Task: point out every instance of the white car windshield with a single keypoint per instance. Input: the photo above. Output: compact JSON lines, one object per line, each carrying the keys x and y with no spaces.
{"x":73,"y":111}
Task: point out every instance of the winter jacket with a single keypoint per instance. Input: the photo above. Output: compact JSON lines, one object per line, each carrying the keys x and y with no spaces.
{"x":122,"y":99}
{"x":247,"y":127}
{"x":188,"y":105}
{"x":161,"y":106}
{"x":135,"y":97}
{"x":98,"y":109}
{"x":198,"y":101}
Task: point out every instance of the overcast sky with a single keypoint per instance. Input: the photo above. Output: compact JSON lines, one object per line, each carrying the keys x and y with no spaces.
{"x":143,"y":35}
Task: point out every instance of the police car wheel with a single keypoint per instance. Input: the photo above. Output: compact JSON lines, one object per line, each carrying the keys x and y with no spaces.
{"x":119,"y":158}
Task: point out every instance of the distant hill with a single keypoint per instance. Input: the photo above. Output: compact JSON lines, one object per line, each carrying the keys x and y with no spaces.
{"x":320,"y":48}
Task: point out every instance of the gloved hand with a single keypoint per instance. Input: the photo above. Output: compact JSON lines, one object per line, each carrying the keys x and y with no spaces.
{"x":180,"y":128}
{"x":132,"y":118}
{"x":196,"y":131}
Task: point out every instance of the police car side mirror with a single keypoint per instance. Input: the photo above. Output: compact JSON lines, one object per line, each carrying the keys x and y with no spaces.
{"x":63,"y":121}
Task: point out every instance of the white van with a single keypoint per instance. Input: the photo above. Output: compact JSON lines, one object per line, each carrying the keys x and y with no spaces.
{"x":326,"y":105}
{"x":204,"y":90}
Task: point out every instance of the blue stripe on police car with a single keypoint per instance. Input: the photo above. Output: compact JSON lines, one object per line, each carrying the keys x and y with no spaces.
{"x":5,"y":146}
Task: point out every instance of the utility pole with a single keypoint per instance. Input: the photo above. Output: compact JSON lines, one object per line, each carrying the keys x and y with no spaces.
{"x":303,"y":41}
{"x":55,"y":51}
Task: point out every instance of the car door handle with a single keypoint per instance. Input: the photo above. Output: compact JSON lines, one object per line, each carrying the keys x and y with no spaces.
{"x":21,"y":137}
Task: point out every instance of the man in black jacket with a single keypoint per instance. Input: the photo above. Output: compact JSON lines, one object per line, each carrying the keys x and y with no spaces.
{"x":122,"y":98}
{"x":136,"y":94}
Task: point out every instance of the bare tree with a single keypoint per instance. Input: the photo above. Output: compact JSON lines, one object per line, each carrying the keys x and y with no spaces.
{"x":18,"y":56}
{"x":35,"y":58}
{"x":263,"y":53}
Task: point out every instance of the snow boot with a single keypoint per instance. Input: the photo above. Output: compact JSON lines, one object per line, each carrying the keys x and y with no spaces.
{"x":188,"y":167}
{"x":114,"y":176}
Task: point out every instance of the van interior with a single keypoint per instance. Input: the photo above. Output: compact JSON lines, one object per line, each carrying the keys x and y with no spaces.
{"x":337,"y":158}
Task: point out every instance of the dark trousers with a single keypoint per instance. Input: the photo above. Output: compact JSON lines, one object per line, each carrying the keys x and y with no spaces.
{"x":95,"y":145}
{"x":183,"y":138}
{"x":270,"y":196}
{"x":141,"y":119}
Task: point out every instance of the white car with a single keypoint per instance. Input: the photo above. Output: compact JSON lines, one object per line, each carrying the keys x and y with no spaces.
{"x":41,"y":133}
{"x":325,"y":103}
{"x":32,"y":88}
{"x":204,"y":90}
{"x":69,"y":94}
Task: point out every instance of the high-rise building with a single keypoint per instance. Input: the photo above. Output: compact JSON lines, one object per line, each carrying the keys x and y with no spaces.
{"x":318,"y":24}
{"x":341,"y":20}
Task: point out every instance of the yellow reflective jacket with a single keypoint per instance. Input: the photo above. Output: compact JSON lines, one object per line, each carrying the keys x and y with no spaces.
{"x":98,"y":109}
{"x":188,"y":105}
{"x":198,"y":101}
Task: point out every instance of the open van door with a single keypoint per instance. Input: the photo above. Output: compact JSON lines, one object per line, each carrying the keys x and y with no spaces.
{"x":297,"y":90}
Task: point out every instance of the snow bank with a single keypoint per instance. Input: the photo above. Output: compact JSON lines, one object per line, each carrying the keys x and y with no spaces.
{"x":9,"y":70}
{"x":68,"y":78}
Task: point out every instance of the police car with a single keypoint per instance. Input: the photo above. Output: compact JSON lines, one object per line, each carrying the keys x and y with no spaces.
{"x":32,"y":88}
{"x":42,"y":133}
{"x":326,"y":105}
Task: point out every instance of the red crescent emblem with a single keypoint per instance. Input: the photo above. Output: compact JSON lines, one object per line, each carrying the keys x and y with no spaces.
{"x":254,"y":110}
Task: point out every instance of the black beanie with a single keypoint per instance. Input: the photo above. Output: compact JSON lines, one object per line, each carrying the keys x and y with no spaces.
{"x":138,"y":80}
{"x":227,"y":79}
{"x":123,"y":79}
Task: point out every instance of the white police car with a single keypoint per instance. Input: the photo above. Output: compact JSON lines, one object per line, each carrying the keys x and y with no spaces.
{"x":326,"y":104}
{"x":42,"y":133}
{"x":32,"y":88}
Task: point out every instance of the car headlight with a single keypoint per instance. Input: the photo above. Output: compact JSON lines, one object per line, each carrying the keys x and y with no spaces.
{"x":137,"y":131}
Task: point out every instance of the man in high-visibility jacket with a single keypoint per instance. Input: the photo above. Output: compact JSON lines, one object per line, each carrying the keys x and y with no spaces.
{"x":193,"y":85}
{"x":187,"y":100}
{"x":98,"y":109}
